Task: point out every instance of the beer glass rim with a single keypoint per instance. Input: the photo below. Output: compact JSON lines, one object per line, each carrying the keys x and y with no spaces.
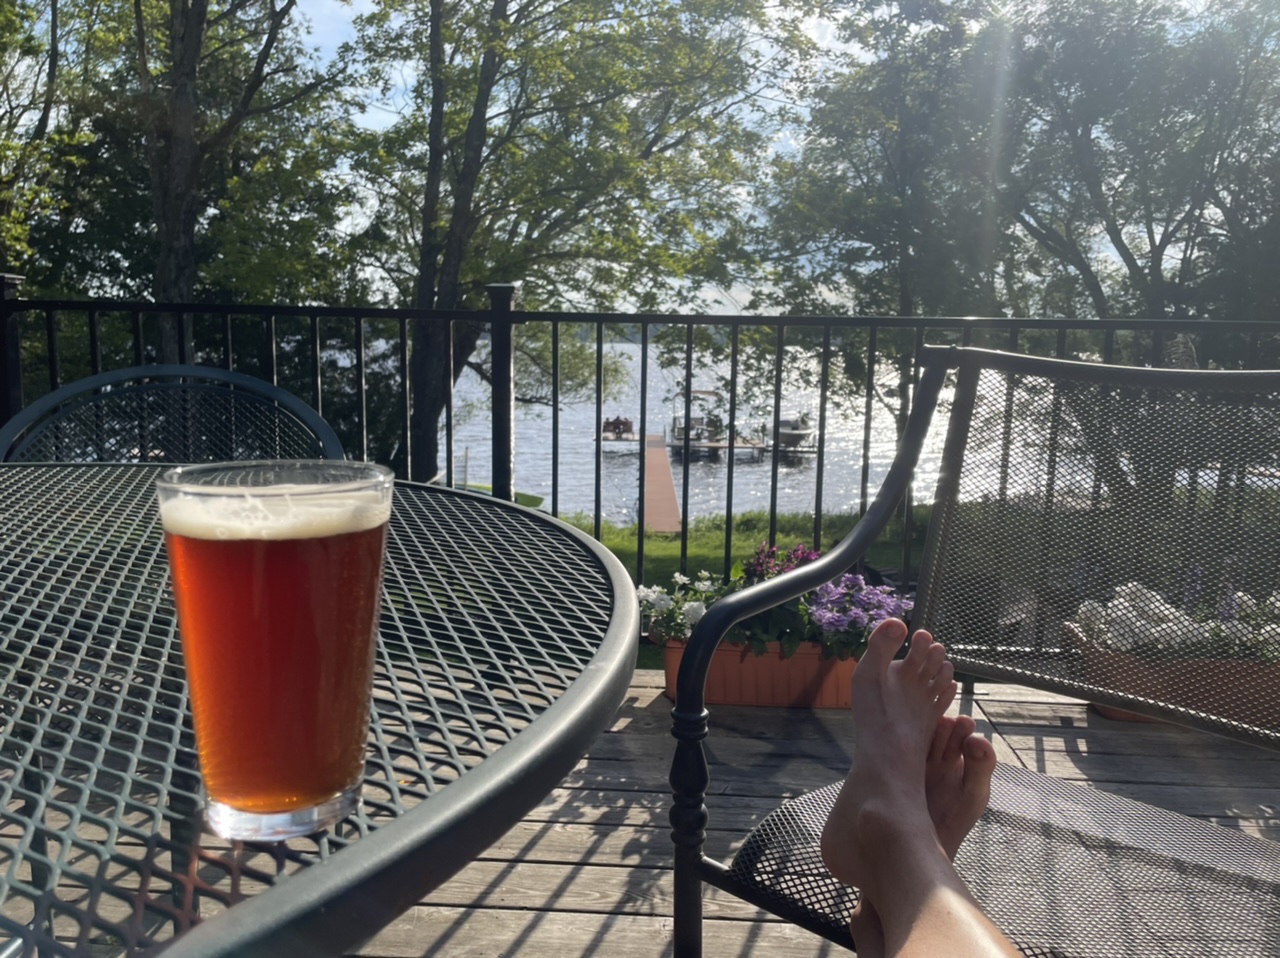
{"x":187,"y":479}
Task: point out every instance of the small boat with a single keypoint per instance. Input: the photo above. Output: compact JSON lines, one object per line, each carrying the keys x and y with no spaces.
{"x":794,"y":431}
{"x":619,"y":435}
{"x":705,"y":427}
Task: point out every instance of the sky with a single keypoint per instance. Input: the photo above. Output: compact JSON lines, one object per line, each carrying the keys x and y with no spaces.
{"x":330,"y":21}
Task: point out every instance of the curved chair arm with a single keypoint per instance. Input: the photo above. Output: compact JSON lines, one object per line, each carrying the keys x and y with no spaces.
{"x":13,"y":434}
{"x":737,"y":606}
{"x":690,"y":775}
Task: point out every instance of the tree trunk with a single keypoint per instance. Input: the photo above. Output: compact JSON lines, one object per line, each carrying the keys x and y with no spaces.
{"x":442,"y":253}
{"x":173,"y":159}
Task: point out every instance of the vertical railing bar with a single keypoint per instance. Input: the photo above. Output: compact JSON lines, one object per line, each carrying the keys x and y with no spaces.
{"x":908,"y":499}
{"x":362,"y":390}
{"x":1108,"y":345}
{"x":228,"y":347}
{"x":1012,"y":344}
{"x":11,"y":390}
{"x":51,"y":340}
{"x":317,"y":397}
{"x":448,"y":407}
{"x":779,"y":346}
{"x":1061,"y":347}
{"x":1157,"y":348}
{"x":599,"y":435}
{"x":273,"y":363}
{"x":139,"y":348}
{"x":644,"y":448}
{"x":735,"y":334}
{"x":686,"y":448}
{"x":824,"y":382}
{"x":180,"y":333}
{"x":966,"y":335}
{"x":868,"y":407}
{"x":95,"y":343}
{"x":555,"y":417}
{"x":406,"y":397}
{"x":502,"y":382}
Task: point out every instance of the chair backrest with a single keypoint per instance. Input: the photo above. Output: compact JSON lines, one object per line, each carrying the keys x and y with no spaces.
{"x":168,"y":413}
{"x":1112,"y":533}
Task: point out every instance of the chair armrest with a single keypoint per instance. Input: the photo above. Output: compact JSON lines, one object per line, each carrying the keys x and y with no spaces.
{"x":726,"y":612}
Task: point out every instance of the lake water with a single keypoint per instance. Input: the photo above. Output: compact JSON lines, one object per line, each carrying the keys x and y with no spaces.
{"x":619,"y":478}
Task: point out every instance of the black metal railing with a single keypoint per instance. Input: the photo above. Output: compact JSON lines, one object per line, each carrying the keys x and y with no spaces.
{"x":342,"y":359}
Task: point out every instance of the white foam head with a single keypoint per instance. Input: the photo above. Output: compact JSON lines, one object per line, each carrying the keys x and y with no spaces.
{"x":288,"y":512}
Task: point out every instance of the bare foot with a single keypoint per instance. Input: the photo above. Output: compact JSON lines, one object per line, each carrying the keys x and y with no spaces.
{"x":896,"y":706}
{"x":957,"y":779}
{"x":957,"y":785}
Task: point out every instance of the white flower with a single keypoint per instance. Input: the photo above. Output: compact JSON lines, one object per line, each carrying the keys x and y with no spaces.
{"x":1092,"y":617}
{"x":1245,"y":604}
{"x":1177,"y":634}
{"x":680,"y":579}
{"x":661,"y":602}
{"x":1236,"y":633}
{"x":1124,"y":631}
{"x":693,"y":612}
{"x":1268,"y":638}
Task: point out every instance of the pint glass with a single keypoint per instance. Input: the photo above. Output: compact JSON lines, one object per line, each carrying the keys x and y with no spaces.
{"x":276,"y":572}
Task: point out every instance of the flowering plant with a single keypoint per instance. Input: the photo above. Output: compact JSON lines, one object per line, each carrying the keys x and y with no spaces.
{"x":837,"y":615}
{"x":1139,"y":620}
{"x":847,"y":609}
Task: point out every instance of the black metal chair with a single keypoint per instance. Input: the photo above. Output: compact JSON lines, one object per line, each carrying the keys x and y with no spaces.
{"x":1095,"y":532}
{"x":168,"y":413}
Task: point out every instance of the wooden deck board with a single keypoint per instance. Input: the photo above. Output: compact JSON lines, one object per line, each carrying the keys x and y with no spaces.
{"x":661,"y":511}
{"x":587,"y":873}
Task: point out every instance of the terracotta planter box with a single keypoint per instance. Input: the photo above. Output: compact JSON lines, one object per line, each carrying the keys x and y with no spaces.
{"x":1247,"y":692}
{"x":740,"y":677}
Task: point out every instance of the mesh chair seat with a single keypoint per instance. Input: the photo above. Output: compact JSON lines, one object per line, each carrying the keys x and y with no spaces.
{"x":168,"y":413}
{"x":1113,"y":877}
{"x":1099,"y":531}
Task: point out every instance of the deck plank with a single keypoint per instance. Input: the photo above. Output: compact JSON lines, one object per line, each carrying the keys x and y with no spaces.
{"x":587,"y":873}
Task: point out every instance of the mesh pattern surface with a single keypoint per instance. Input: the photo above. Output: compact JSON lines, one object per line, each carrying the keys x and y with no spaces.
{"x":489,"y":615}
{"x":1116,"y":541}
{"x":167,"y":421}
{"x":1067,"y":871}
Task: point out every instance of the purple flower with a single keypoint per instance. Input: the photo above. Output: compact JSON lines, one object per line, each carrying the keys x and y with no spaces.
{"x":849,"y":605}
{"x":1230,"y":607}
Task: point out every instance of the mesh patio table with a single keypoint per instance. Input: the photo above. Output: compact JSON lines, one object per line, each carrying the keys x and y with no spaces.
{"x":506,"y":644}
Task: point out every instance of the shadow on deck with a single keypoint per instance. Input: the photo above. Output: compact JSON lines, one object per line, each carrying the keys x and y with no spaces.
{"x":587,"y":873}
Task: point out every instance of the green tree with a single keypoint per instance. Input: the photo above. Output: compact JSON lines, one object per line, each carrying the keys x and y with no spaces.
{"x":30,"y":49}
{"x":878,"y":211}
{"x":1135,"y":126}
{"x":589,"y":148}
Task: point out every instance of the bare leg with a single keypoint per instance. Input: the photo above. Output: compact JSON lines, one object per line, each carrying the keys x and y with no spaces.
{"x":880,"y":836}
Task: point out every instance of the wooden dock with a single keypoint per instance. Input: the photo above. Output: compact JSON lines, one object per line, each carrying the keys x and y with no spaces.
{"x":661,"y":510}
{"x":588,"y":873}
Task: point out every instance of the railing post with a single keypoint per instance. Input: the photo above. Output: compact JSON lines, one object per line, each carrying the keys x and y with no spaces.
{"x":10,"y":344}
{"x":502,"y":353}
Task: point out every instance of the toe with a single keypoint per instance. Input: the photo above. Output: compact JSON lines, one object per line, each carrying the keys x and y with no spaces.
{"x":946,"y":744}
{"x":935,"y":657}
{"x":946,"y":694}
{"x":979,"y":756}
{"x":883,"y":645}
{"x":961,"y":728}
{"x":918,"y":652}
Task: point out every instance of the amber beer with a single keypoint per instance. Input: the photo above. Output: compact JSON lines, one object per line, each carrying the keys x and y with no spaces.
{"x":277,"y":588}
